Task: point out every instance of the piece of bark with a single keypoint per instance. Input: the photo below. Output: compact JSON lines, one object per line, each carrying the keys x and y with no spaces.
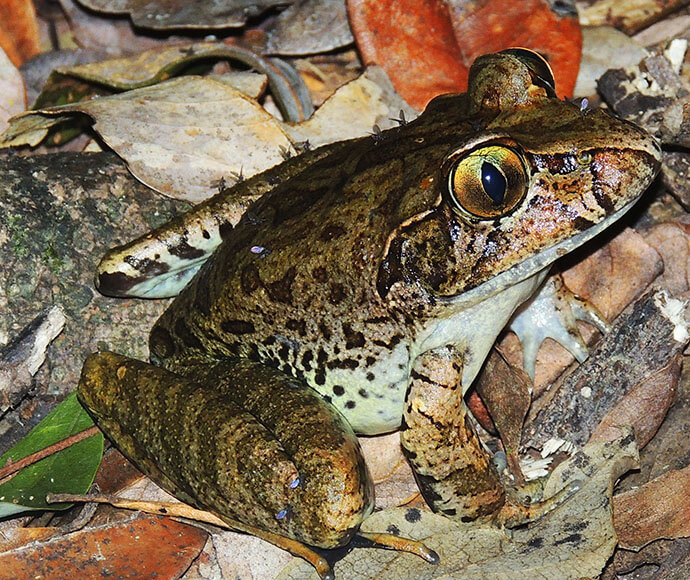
{"x":21,"y":358}
{"x":58,"y":215}
{"x":660,"y":560}
{"x":643,"y":339}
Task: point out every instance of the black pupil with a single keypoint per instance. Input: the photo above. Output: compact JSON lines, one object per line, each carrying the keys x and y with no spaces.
{"x":494,"y":182}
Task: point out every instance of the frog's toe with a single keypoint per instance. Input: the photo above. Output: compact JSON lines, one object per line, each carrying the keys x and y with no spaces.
{"x":552,"y":313}
{"x":514,"y":514}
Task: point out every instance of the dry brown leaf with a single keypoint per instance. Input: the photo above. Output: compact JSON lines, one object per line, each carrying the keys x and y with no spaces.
{"x":142,"y":545}
{"x":658,"y":509}
{"x":610,"y":278}
{"x":644,"y":406}
{"x":309,"y":27}
{"x":114,"y":36}
{"x":616,"y":274}
{"x":164,"y":14}
{"x":506,"y":391}
{"x":663,"y":559}
{"x":672,"y":241}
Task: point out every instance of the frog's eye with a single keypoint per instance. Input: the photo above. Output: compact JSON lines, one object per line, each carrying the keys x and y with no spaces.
{"x":488,"y":182}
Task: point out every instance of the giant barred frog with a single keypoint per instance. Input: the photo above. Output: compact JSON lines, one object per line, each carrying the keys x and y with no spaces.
{"x":361,"y":290}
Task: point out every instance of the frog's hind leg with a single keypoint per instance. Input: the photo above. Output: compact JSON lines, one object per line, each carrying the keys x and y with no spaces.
{"x":239,"y":439}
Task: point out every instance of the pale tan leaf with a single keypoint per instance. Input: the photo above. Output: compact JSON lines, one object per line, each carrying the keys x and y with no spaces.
{"x":572,"y":542}
{"x":352,"y":111}
{"x":12,"y":96}
{"x":181,"y":137}
{"x":244,"y":556}
{"x":249,"y":83}
{"x":395,"y":483}
{"x":603,"y":48}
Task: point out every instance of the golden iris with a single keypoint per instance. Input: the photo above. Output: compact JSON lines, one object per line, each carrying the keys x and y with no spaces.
{"x":488,"y":182}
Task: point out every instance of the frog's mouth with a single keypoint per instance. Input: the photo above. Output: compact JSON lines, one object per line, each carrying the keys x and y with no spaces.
{"x":531,"y":266}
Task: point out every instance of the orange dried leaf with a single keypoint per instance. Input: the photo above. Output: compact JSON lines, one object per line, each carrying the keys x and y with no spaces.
{"x":142,"y":547}
{"x":19,"y":35}
{"x":427,"y":47}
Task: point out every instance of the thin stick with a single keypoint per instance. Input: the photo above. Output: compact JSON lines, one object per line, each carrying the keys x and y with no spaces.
{"x":11,"y":469}
{"x":179,"y":510}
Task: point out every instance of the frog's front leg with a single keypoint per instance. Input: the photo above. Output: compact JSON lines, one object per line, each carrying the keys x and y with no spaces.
{"x":454,"y":472}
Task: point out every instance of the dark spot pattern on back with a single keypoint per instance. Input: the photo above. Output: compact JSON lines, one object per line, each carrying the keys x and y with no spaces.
{"x":237,"y":326}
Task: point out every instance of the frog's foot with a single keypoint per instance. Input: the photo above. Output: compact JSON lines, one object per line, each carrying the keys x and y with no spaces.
{"x":298,"y":549}
{"x":552,"y":313}
{"x":513,"y":513}
{"x":238,"y":439}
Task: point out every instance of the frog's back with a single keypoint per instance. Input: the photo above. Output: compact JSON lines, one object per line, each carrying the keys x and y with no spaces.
{"x":295,"y":284}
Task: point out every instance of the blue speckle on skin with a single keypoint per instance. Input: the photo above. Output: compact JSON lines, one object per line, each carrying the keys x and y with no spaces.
{"x":281,"y":514}
{"x":294,"y":483}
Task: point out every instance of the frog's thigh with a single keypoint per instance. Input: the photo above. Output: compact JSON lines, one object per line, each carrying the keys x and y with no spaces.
{"x":290,"y":464}
{"x":454,"y":472}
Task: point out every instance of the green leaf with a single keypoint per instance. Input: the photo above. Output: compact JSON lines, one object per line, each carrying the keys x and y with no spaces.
{"x":71,"y":470}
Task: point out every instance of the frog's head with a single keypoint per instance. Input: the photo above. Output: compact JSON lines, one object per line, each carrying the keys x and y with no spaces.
{"x":539,"y":178}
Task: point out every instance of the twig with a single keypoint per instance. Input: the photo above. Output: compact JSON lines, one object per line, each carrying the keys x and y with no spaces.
{"x":11,"y":469}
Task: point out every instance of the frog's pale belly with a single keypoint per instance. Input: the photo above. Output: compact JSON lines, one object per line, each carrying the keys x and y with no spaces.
{"x":375,"y":408}
{"x":372,"y":408}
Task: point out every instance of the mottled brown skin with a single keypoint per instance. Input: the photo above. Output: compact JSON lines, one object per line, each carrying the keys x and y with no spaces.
{"x":358,"y":275}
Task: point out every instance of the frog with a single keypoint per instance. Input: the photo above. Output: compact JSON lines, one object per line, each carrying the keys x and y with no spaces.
{"x":357,"y":289}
